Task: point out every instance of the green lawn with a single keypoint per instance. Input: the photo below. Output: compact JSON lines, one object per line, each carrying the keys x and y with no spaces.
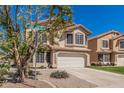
{"x":119,"y":70}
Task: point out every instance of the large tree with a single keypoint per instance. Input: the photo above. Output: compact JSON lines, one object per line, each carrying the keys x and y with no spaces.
{"x":19,"y":46}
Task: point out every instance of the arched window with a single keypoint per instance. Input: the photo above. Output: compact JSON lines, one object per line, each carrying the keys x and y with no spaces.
{"x":79,"y":38}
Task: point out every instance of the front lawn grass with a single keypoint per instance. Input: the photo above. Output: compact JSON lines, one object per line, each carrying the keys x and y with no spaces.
{"x":119,"y":70}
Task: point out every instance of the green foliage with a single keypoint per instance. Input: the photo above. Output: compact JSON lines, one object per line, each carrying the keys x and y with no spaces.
{"x":19,"y":44}
{"x":42,"y":67}
{"x":15,"y":27}
{"x":4,"y":69}
{"x":59,"y":74}
{"x":93,"y":64}
{"x":32,"y":73}
{"x":23,"y":48}
{"x":119,"y":70}
{"x":57,"y":22}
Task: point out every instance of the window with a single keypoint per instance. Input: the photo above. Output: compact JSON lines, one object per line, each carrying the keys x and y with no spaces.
{"x":79,"y":39}
{"x":40,"y":57}
{"x":104,"y":57}
{"x":69,"y":38}
{"x":44,"y":38}
{"x":105,"y":43}
{"x":122,"y":44}
{"x":48,"y":57}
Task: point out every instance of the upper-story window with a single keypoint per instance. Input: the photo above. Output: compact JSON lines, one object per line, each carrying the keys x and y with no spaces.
{"x":69,"y":38}
{"x":44,"y":38}
{"x":79,"y":38}
{"x":105,"y":43}
{"x":122,"y":44}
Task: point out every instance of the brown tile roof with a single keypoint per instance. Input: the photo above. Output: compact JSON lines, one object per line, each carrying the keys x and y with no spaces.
{"x":118,"y":36}
{"x":106,"y":33}
{"x":77,"y":26}
{"x":69,"y":26}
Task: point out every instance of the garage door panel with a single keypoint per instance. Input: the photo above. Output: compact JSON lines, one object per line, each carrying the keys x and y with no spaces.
{"x":120,"y":60}
{"x":71,"y":60}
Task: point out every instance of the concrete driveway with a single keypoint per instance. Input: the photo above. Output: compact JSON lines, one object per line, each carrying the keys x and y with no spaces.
{"x":100,"y":78}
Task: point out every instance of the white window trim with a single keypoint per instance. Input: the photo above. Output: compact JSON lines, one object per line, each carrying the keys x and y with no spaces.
{"x":83,"y":39}
{"x":74,"y":39}
{"x":120,"y":45}
{"x":108,"y":44}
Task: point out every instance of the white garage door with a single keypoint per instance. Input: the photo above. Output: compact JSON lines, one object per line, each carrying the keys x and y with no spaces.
{"x":120,"y":60}
{"x":70,"y":60}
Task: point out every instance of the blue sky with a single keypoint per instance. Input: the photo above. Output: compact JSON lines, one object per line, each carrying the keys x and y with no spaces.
{"x":99,"y":19}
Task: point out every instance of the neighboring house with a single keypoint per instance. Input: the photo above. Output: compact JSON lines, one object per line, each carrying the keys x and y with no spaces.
{"x":71,"y":51}
{"x":107,"y":48}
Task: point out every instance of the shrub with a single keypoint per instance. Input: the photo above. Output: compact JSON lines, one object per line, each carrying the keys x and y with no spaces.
{"x":99,"y":64}
{"x":59,"y":74}
{"x":113,"y":64}
{"x":32,"y":73}
{"x":42,"y":67}
{"x":4,"y":69}
{"x":93,"y":64}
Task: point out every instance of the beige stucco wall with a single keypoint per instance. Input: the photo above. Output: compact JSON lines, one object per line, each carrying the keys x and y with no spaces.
{"x":99,"y":41}
{"x":96,"y":46}
{"x":116,"y":44}
{"x":62,"y":44}
{"x":92,"y":44}
{"x":63,"y":39}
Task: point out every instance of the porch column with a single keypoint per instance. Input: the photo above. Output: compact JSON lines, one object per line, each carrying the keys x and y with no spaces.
{"x":45,"y":59}
{"x":73,"y":37}
{"x":34,"y":59}
{"x":116,"y":56}
{"x":53,"y":59}
{"x":88,"y":59}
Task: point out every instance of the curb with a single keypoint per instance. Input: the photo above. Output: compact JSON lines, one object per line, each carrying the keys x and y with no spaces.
{"x":107,"y":72}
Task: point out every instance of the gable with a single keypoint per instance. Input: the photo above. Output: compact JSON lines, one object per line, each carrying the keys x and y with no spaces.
{"x":119,"y":37}
{"x":109,"y":35}
{"x":78,"y":28}
{"x":116,"y":40}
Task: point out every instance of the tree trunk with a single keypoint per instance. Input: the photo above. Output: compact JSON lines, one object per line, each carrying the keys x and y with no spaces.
{"x":26,"y":70}
{"x":21,"y":77}
{"x":20,"y":65}
{"x":28,"y":57}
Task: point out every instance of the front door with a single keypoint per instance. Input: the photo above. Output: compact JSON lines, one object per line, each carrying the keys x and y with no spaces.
{"x":104,"y":58}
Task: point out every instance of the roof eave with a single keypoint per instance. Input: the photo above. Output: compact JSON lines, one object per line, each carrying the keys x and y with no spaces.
{"x":103,"y":35}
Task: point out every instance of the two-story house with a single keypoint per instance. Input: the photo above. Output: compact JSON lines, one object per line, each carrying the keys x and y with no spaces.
{"x":107,"y":48}
{"x":71,"y":50}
